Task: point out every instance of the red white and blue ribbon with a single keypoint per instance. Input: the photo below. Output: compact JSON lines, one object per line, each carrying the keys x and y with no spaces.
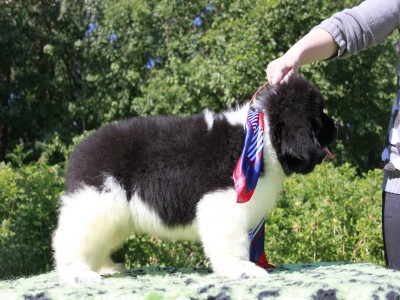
{"x":248,"y":167}
{"x":257,"y":252}
{"x":246,"y":175}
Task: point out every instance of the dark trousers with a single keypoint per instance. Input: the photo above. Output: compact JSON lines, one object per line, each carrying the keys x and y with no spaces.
{"x":391,"y":229}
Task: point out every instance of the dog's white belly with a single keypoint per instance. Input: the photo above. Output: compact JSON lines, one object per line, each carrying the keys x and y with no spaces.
{"x":220,"y":204}
{"x":145,"y":220}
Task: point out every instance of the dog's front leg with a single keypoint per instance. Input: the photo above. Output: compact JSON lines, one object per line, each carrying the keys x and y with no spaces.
{"x":223,"y":229}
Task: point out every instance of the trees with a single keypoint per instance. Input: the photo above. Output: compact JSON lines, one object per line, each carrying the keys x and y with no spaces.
{"x":69,"y":66}
{"x":39,"y":74}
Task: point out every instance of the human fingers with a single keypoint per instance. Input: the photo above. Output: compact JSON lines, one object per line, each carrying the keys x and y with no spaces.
{"x":287,"y":76}
{"x":276,"y":71}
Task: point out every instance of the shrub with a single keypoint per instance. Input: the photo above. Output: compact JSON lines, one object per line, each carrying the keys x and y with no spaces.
{"x":143,"y":250}
{"x":28,"y":200}
{"x":330,"y":215}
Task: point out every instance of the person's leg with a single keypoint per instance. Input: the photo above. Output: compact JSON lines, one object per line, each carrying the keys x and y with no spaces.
{"x":391,"y":229}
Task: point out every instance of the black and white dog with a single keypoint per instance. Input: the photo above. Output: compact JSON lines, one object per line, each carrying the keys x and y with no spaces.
{"x":172,"y":177}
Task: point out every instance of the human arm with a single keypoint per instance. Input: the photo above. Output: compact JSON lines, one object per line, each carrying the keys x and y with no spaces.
{"x":316,"y":45}
{"x":351,"y":30}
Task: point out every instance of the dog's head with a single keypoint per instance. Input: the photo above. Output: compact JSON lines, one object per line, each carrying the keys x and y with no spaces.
{"x":299,"y":129}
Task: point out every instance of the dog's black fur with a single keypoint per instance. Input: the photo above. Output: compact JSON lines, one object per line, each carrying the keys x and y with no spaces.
{"x":172,"y":162}
{"x":160,"y":159}
{"x":299,"y":127}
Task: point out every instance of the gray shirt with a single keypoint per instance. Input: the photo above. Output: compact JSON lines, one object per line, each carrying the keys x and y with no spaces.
{"x":363,"y":26}
{"x":355,"y":30}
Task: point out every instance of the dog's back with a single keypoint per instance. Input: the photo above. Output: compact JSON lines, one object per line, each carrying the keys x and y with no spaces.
{"x":159,"y":160}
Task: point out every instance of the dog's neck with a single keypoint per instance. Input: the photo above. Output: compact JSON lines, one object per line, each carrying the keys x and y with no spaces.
{"x":239,"y":117}
{"x":270,"y":158}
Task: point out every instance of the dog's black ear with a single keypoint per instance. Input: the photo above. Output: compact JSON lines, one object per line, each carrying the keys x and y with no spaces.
{"x":299,"y":150}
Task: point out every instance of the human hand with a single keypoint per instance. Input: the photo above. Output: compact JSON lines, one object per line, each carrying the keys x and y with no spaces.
{"x":281,"y":69}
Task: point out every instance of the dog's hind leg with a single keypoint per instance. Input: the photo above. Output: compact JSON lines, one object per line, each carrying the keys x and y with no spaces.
{"x":222,"y":225}
{"x":92,"y":224}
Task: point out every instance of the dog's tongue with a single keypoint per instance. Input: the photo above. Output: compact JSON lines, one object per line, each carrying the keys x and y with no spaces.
{"x":328,"y":153}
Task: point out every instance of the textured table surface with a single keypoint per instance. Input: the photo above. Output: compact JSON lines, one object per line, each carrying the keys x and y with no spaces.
{"x":300,"y":281}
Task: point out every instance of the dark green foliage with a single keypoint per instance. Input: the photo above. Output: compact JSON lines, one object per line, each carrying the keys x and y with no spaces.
{"x":69,"y":66}
{"x":39,"y":70}
{"x":29,"y":196}
{"x":143,"y":250}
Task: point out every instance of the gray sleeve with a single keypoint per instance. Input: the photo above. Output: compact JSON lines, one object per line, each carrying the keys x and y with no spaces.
{"x":362,"y":26}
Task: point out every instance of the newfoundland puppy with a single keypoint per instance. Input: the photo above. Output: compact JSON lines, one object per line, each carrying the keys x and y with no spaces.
{"x":172,"y":177}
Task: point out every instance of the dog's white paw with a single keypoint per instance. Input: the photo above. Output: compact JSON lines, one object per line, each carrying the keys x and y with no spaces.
{"x":88,"y":277}
{"x":112,"y":269}
{"x":82,"y":277}
{"x":244,"y":269}
{"x":250,"y":270}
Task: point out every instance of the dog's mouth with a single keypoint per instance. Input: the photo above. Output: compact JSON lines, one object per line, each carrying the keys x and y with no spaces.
{"x":328,"y":153}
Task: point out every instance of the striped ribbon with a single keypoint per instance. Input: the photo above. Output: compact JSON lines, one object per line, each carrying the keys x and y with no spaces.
{"x":246,"y":175}
{"x":248,"y":167}
{"x":257,"y":252}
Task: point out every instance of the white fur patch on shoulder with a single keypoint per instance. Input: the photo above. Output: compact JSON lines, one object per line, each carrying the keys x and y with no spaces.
{"x":209,"y":119}
{"x":237,"y":117}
